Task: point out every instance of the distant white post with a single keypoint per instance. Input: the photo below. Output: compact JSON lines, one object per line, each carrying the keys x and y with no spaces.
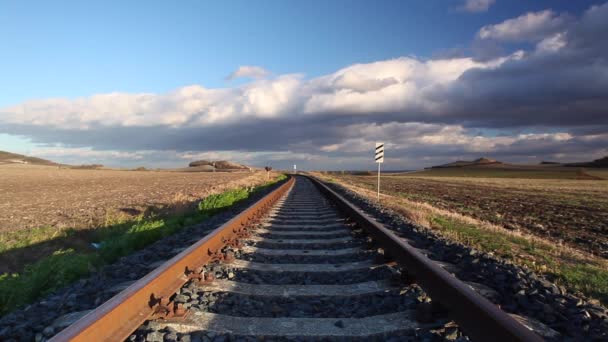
{"x":295,"y":171}
{"x":379,"y":160}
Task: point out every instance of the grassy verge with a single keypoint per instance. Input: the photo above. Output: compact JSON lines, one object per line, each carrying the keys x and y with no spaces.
{"x":569,"y":269}
{"x":66,"y":266}
{"x":575,"y":270}
{"x":27,"y":237}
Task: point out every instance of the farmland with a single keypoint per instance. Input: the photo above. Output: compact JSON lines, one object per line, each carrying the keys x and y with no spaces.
{"x":569,"y":211}
{"x":557,"y":227}
{"x":517,"y":172}
{"x":43,"y":203}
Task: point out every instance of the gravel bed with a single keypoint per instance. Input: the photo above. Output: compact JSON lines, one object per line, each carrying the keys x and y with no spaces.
{"x":432,"y":333}
{"x":278,"y":235}
{"x":310,"y":259}
{"x":336,"y":245}
{"x":518,"y":289}
{"x":235,"y":304}
{"x":293,"y":278}
{"x":36,"y":322}
{"x":307,"y":229}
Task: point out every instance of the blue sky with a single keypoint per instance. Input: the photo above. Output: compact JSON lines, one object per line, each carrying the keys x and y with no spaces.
{"x":76,"y":49}
{"x":79,"y":48}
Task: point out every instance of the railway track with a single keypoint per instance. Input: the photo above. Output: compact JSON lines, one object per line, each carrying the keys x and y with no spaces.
{"x":301,"y":264}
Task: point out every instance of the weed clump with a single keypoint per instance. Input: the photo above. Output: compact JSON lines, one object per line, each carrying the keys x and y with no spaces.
{"x":215,"y":203}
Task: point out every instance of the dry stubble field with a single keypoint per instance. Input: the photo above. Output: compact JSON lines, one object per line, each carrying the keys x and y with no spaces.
{"x":35,"y":196}
{"x":38,"y":203}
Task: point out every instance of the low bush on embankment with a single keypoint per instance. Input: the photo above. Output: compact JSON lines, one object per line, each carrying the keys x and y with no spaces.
{"x":68,"y":265}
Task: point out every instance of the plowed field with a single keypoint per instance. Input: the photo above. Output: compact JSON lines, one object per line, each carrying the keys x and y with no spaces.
{"x":574,"y":212}
{"x":38,"y":196}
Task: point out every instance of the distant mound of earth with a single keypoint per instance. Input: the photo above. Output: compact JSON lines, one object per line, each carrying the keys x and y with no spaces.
{"x":201,"y":163}
{"x":224,"y":164}
{"x":14,"y":158}
{"x":204,"y":165}
{"x":465,"y":163}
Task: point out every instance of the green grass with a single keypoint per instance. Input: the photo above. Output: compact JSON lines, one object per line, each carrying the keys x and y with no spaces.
{"x":27,"y":237}
{"x":578,"y":274}
{"x":42,"y":277}
{"x":66,"y":266}
{"x":215,"y":203}
{"x":588,"y":279}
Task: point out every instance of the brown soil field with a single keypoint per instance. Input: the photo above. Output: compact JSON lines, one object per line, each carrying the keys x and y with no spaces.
{"x":41,"y":196}
{"x":569,"y":211}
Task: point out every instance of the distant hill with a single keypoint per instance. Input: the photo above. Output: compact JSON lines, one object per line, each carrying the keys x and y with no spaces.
{"x":14,"y":158}
{"x":486,"y":162}
{"x":603,"y":162}
{"x":490,"y":168}
{"x":465,"y":163}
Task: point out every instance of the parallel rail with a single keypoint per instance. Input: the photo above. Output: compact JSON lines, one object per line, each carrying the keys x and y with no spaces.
{"x":116,"y":319}
{"x":477,"y":316}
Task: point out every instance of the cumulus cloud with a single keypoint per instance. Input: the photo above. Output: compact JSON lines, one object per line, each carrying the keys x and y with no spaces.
{"x":531,"y":26}
{"x":248,"y":71}
{"x":552,"y":43}
{"x":475,"y":6}
{"x":385,"y":86}
{"x":423,"y":108}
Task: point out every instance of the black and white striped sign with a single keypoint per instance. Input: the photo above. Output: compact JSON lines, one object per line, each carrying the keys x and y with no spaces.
{"x":379,"y":152}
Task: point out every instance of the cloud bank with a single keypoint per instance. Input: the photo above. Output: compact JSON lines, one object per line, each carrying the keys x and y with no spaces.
{"x":545,"y":100}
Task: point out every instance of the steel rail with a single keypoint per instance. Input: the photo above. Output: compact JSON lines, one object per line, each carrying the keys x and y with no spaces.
{"x":480,"y":319}
{"x":122,"y":314}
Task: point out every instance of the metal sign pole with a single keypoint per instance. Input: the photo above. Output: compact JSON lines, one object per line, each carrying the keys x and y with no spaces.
{"x":379,"y":182}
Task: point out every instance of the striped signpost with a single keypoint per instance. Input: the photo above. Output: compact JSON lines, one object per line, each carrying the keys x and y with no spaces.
{"x":379,"y":160}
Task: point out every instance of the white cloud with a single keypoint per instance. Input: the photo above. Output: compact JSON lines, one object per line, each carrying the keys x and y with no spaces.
{"x":393,"y":85}
{"x":532,"y":26}
{"x":384,"y":86}
{"x":166,"y":158}
{"x":416,"y":136}
{"x":248,"y":71}
{"x":477,"y":5}
{"x":85,"y":154}
{"x":411,"y":144}
{"x":250,"y":158}
{"x":411,"y":103}
{"x":552,"y":43}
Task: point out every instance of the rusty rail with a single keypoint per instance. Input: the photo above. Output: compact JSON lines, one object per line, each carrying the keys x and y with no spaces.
{"x":479,"y":318}
{"x":117,"y":318}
